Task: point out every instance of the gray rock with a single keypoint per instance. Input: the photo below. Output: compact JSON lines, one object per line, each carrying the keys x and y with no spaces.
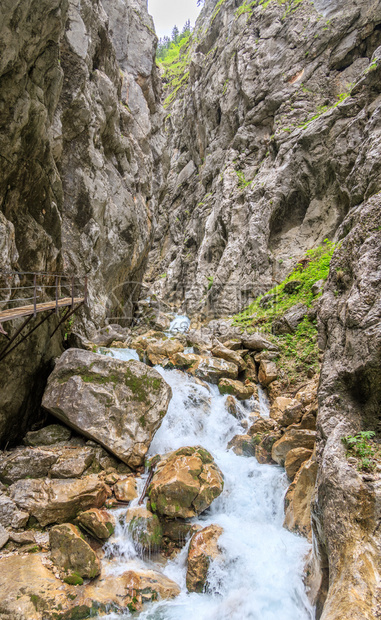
{"x":120,"y":405}
{"x":72,"y":463}
{"x":256,"y":342}
{"x":318,"y":287}
{"x":10,"y":515}
{"x":4,"y":536}
{"x":26,"y":463}
{"x":288,"y":323}
{"x":48,"y":436}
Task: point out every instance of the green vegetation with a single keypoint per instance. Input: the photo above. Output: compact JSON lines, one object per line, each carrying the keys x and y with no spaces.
{"x":242,"y":181}
{"x":74,"y":579}
{"x":173,"y":59}
{"x":210,"y":282}
{"x":363,"y":448}
{"x":299,"y":352}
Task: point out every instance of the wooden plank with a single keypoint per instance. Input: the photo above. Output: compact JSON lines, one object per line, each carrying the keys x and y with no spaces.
{"x":15,"y":313}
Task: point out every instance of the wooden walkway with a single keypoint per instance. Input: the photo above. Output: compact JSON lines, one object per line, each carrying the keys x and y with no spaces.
{"x":15,"y":313}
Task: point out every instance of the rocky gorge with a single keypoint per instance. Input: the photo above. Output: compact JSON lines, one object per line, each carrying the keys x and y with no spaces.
{"x":225,"y":465}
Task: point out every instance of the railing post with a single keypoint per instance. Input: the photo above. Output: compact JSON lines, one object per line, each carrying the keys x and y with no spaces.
{"x":85,"y":290}
{"x":35,"y":294}
{"x":72,"y":291}
{"x":56,"y":294}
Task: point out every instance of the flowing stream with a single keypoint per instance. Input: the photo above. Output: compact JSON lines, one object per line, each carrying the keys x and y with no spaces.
{"x":259,"y":576}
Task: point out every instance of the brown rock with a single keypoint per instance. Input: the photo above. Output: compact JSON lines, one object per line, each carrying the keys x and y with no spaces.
{"x":234,"y":344}
{"x":295,"y":459}
{"x":286,"y":411}
{"x":99,"y":523}
{"x":72,"y":462}
{"x":22,"y":538}
{"x":165,"y":348}
{"x":213,"y":369}
{"x":268,"y":372}
{"x":185,"y":483}
{"x":202,"y":549}
{"x":256,"y":342}
{"x":251,"y":370}
{"x":25,"y":463}
{"x":262,"y":425}
{"x":236,"y":388}
{"x":230,"y":356}
{"x":71,"y":553}
{"x":125,"y":490}
{"x":292,"y":439}
{"x":298,"y":500}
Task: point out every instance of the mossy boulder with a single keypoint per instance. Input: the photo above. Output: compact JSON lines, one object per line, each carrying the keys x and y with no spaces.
{"x":99,"y":523}
{"x":237,"y":388}
{"x":145,"y":528}
{"x":118,"y":404}
{"x":70,"y":552}
{"x":185,"y":483}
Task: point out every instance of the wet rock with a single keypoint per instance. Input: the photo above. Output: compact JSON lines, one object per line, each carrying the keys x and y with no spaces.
{"x":288,"y":323}
{"x":290,"y":440}
{"x":118,"y":404}
{"x":263,"y":449}
{"x":70,"y":552}
{"x":295,"y":459}
{"x":203,"y":549}
{"x":72,"y":463}
{"x":243,"y":445}
{"x":231,"y":406}
{"x":4,"y":536}
{"x":97,"y":522}
{"x":145,"y":528}
{"x":298,"y":500}
{"x":48,"y":436}
{"x":185,"y":483}
{"x":224,"y":353}
{"x":29,"y":589}
{"x":125,"y":490}
{"x":286,"y":411}
{"x":178,"y":530}
{"x":236,"y":388}
{"x":268,"y":372}
{"x":57,"y":501}
{"x":25,"y":462}
{"x":10,"y":515}
{"x":213,"y":369}
{"x":129,"y":592}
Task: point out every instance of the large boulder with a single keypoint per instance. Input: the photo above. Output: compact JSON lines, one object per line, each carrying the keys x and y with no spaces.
{"x":70,"y":552}
{"x":57,"y":501}
{"x":185,"y":483}
{"x":292,"y":438}
{"x":144,"y":528}
{"x":203,"y":549}
{"x":286,"y":411}
{"x":236,"y":388}
{"x":213,"y":369}
{"x":117,"y":404}
{"x":125,"y":490}
{"x":268,"y":372}
{"x":72,"y":462}
{"x":298,"y":500}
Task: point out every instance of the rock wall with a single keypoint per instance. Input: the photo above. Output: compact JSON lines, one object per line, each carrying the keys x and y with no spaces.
{"x":80,"y":148}
{"x":346,"y":511}
{"x":270,"y":129}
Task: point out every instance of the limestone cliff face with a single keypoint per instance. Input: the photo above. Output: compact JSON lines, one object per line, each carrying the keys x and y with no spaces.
{"x":346,"y":510}
{"x":80,"y":147}
{"x":271,"y":133}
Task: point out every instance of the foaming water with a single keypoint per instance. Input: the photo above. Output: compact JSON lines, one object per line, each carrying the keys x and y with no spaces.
{"x":259,"y":574}
{"x":179,"y":324}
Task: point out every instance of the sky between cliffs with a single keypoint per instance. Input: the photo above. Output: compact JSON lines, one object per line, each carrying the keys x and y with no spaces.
{"x":167,"y":13}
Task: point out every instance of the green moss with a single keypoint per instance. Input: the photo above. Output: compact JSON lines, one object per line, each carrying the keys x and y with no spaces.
{"x":74,"y":579}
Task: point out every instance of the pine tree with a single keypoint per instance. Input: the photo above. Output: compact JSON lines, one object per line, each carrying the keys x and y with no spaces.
{"x":175,"y":34}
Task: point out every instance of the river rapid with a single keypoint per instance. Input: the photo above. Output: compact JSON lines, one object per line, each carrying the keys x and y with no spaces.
{"x":259,"y":575}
